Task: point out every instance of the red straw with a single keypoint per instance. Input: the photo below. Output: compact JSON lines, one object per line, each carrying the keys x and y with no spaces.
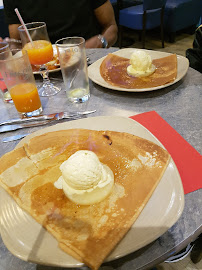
{"x":23,"y":24}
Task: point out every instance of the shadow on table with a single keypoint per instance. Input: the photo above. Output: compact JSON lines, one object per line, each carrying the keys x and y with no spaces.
{"x":140,"y":95}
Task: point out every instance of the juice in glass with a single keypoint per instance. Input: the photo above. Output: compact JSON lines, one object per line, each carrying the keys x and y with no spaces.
{"x":25,"y":97}
{"x":39,"y":51}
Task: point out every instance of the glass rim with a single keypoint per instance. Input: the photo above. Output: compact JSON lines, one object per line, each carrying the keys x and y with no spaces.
{"x":20,"y":28}
{"x":68,"y":38}
{"x":5,"y":46}
{"x":13,"y":59}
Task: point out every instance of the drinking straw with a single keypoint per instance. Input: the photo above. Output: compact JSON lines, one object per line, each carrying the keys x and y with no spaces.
{"x":23,"y":24}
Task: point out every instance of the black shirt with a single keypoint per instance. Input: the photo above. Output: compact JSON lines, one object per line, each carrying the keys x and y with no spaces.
{"x":63,"y":17}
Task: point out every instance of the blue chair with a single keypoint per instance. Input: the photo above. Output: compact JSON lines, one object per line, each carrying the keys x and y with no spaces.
{"x":120,"y":4}
{"x":180,"y":15}
{"x":143,"y":17}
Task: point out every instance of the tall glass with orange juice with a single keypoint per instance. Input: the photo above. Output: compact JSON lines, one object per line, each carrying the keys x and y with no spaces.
{"x":40,"y":52}
{"x":19,"y":79}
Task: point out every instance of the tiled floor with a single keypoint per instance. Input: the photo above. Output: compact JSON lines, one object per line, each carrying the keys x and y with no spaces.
{"x":153,"y":41}
{"x":186,"y":263}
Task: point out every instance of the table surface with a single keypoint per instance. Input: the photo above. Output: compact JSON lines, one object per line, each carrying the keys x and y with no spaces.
{"x":180,"y":105}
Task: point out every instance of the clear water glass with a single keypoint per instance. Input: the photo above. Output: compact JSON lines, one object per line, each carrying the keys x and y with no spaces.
{"x":72,"y":57}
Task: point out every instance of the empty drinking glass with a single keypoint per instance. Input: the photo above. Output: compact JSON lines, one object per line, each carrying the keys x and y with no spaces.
{"x":72,"y":56}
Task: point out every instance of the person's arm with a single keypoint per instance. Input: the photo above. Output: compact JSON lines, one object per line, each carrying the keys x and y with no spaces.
{"x":14,"y":39}
{"x":11,"y":18}
{"x":106,"y":18}
{"x":13,"y":31}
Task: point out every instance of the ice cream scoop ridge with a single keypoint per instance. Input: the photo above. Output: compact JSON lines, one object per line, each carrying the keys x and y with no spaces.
{"x":85,"y":180}
{"x":140,"y":64}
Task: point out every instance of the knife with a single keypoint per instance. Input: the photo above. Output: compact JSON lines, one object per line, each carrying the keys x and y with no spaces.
{"x":14,"y":137}
{"x":12,"y":127}
{"x":46,"y":117}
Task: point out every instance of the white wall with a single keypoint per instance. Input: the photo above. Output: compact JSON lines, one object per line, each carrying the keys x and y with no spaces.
{"x":1,"y":2}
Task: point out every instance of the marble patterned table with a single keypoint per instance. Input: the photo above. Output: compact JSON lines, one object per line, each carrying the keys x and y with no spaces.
{"x":181,"y":106}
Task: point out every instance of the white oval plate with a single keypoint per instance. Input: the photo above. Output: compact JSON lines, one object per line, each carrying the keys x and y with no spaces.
{"x":95,"y":76}
{"x":28,"y":240}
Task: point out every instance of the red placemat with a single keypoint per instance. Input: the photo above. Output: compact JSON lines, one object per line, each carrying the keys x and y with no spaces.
{"x":186,"y":158}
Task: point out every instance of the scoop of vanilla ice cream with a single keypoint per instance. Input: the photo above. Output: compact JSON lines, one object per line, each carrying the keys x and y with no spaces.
{"x":85,"y":180}
{"x":140,"y":64}
{"x":140,"y":60}
{"x":82,"y":170}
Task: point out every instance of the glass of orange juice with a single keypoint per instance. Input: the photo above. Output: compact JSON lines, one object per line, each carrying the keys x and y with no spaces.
{"x":17,"y":73}
{"x":40,"y":52}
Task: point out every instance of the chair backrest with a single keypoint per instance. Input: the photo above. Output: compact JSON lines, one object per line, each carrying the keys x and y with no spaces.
{"x":153,"y":4}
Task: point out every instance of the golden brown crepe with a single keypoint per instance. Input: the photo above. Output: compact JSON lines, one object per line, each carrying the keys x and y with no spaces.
{"x":88,"y":233}
{"x":113,"y":69}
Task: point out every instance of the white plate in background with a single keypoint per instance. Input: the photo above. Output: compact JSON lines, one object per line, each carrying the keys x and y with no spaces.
{"x":95,"y":76}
